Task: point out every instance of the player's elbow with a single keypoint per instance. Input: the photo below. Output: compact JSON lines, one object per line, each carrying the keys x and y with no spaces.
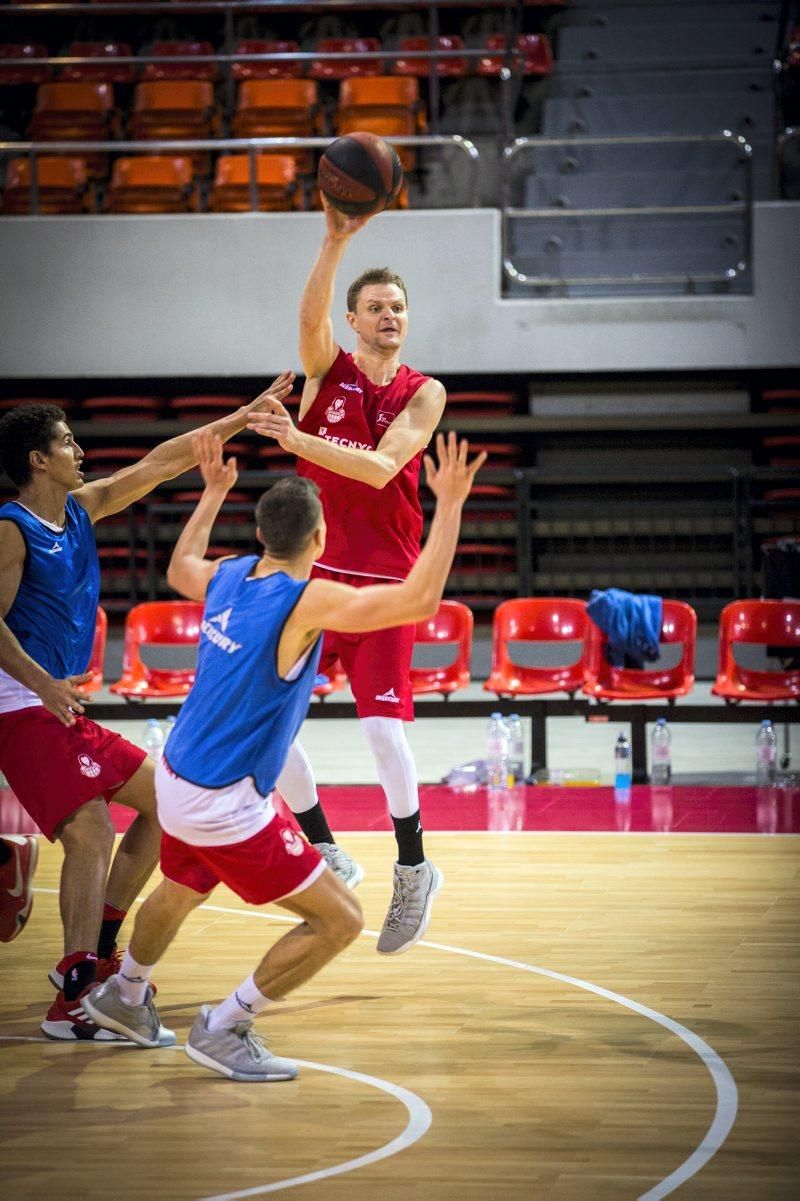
{"x":176,"y":577}
{"x":384,"y":472}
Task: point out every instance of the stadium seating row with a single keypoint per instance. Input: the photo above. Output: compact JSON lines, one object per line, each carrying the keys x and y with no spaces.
{"x":539,"y":619}
{"x":531,"y":55}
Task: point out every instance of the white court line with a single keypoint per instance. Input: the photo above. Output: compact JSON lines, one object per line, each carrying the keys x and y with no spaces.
{"x":724,"y":1083}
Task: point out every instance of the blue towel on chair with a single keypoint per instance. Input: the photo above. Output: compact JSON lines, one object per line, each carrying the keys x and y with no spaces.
{"x":631,"y":623}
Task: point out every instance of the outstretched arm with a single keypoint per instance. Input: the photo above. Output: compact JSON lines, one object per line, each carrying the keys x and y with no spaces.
{"x":318,"y":349}
{"x":410,"y":431}
{"x":102,"y":497}
{"x":189,"y":571}
{"x":332,"y":606}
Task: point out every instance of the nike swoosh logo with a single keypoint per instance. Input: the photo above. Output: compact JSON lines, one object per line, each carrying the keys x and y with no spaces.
{"x":17,"y":892}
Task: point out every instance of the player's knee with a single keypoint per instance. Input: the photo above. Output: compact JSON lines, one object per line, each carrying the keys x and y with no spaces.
{"x":88,"y":826}
{"x":386,"y":738}
{"x":345,"y":923}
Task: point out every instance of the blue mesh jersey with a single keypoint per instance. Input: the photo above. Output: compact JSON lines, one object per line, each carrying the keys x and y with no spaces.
{"x":54,"y":612}
{"x":241,"y":718}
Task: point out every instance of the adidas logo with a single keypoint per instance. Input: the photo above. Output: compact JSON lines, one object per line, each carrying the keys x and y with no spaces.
{"x":221,"y":619}
{"x":55,"y":549}
{"x":390,"y":696}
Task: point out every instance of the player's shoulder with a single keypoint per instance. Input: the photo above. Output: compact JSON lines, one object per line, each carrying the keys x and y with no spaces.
{"x":429,"y":391}
{"x":12,"y":540}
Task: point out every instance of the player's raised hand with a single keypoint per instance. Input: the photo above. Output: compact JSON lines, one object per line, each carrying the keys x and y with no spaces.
{"x":339,"y":225}
{"x":275,"y":422}
{"x":450,"y":480}
{"x":279,"y":389}
{"x":219,"y":475}
{"x":62,"y":698}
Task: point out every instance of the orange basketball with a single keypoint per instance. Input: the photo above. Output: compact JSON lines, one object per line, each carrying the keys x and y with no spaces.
{"x":360,"y":174}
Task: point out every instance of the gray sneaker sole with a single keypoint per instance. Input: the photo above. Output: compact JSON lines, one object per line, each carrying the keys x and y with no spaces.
{"x":426,"y":917}
{"x":166,"y":1038}
{"x":264,"y":1077}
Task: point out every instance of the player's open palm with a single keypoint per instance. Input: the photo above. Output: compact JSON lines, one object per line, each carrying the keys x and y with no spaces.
{"x":279,"y":389}
{"x":218,"y":474}
{"x":450,"y":479}
{"x":274,"y":422}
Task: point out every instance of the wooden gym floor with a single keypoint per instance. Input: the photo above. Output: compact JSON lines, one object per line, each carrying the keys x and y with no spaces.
{"x":576,"y":1027}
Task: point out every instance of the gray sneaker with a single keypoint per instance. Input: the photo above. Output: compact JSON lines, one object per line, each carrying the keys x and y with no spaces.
{"x":139,"y":1023}
{"x":410,"y":908}
{"x":237,"y":1052}
{"x":340,"y":863}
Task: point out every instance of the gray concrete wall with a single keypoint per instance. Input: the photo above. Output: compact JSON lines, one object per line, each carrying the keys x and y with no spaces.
{"x":218,"y":295}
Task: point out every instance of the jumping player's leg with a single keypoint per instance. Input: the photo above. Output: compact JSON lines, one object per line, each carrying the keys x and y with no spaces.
{"x":297,"y":786}
{"x":378,"y":668}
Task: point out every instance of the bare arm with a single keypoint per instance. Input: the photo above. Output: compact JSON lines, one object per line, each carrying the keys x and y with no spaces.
{"x":332,"y":606}
{"x":318,"y":348}
{"x":410,"y":431}
{"x":61,"y":697}
{"x":171,"y":458}
{"x":189,"y":571}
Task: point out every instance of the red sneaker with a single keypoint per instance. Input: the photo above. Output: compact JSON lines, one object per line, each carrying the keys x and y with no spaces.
{"x":105,"y":969}
{"x":16,"y":889}
{"x":68,"y":1021}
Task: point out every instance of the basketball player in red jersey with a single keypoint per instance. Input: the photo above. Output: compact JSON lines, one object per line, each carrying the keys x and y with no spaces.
{"x":365,"y":419}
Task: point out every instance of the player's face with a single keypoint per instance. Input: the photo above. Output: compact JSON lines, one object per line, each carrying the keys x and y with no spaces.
{"x":64,"y":458}
{"x":381,"y":317}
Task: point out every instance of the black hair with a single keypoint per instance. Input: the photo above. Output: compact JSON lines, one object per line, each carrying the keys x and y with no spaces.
{"x":287,"y":515}
{"x":23,"y":429}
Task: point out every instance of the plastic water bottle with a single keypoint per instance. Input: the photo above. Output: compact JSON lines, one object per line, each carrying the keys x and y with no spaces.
{"x":622,"y":770}
{"x":497,"y":752}
{"x":169,"y":726}
{"x":153,"y":739}
{"x":661,"y":753}
{"x":766,"y":752}
{"x":516,"y":749}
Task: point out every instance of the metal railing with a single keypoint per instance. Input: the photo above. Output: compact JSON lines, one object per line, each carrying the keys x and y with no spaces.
{"x":743,"y":208}
{"x":788,"y":136}
{"x":251,"y":146}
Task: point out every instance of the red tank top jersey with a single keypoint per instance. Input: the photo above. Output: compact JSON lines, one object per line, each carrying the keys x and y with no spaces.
{"x":370,"y":532}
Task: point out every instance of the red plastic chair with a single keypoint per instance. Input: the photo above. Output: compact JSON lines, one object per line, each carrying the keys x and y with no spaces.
{"x":276,"y":184}
{"x":105,"y":70}
{"x":98,"y":654}
{"x":281,"y":69}
{"x":452,"y":623}
{"x":420,"y":67}
{"x":165,"y":623}
{"x":678,"y":624}
{"x":770,"y":623}
{"x":152,"y":183}
{"x":35,"y":73}
{"x":121,"y":408}
{"x":533,"y":49}
{"x":536,"y":619}
{"x":187,"y":70}
{"x":344,"y":68}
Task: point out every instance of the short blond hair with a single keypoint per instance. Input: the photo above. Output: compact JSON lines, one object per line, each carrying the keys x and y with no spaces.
{"x":373,"y":275}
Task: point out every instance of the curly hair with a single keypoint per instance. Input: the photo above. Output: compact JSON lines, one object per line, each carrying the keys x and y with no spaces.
{"x":23,"y":429}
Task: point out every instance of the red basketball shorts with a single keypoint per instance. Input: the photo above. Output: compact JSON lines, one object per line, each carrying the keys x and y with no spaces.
{"x":273,"y":864}
{"x":377,"y":664}
{"x":55,"y":769}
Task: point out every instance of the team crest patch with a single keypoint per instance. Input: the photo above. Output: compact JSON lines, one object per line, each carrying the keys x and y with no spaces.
{"x":335,"y":411}
{"x":89,"y":767}
{"x":385,"y":418}
{"x":293,"y":843}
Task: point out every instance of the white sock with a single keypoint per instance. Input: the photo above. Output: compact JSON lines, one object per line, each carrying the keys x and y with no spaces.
{"x":243,"y":1004}
{"x":296,"y":783}
{"x":397,"y":770}
{"x":133,"y":978}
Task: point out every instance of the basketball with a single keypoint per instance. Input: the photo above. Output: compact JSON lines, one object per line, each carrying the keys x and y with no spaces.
{"x":360,"y":174}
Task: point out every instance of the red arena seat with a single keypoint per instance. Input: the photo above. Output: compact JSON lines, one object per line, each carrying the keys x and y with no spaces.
{"x":447,"y":68}
{"x":537,"y":619}
{"x":105,"y":70}
{"x":62,"y":186}
{"x":35,"y":73}
{"x":186,"y":70}
{"x":452,"y":623}
{"x":344,"y":68}
{"x":770,"y":623}
{"x":279,"y":69}
{"x":678,"y":624}
{"x":163,"y":623}
{"x":532,"y":54}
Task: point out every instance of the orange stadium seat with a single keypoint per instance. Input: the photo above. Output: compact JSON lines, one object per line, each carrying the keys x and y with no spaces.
{"x":204,"y":407}
{"x":604,"y":682}
{"x":75,"y":112}
{"x":773,"y":623}
{"x":152,"y":184}
{"x":533,"y":55}
{"x":161,"y":71}
{"x":537,"y":619}
{"x":452,"y":623}
{"x":387,"y":105}
{"x":62,"y":183}
{"x":344,"y":68}
{"x":121,"y":408}
{"x":33,"y":74}
{"x":98,"y":653}
{"x":163,"y":623}
{"x":182,"y":108}
{"x":264,"y":70}
{"x":105,"y":70}
{"x":276,"y":176}
{"x":279,"y":108}
{"x":482,"y":404}
{"x":447,"y":68}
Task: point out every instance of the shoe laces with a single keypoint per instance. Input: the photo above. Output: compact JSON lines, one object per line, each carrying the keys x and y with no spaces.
{"x":256,"y":1046}
{"x":111,"y":963}
{"x":403,"y":889}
